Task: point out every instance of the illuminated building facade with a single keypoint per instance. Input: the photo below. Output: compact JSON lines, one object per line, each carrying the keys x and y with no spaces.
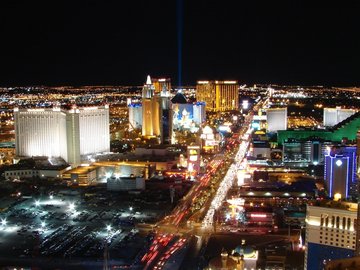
{"x":218,"y":95}
{"x":330,"y":234}
{"x":40,"y":132}
{"x":151,"y":113}
{"x":81,"y":176}
{"x":69,"y":134}
{"x":156,"y":112}
{"x":135,"y":116}
{"x":151,"y":118}
{"x":94,"y":130}
{"x":333,"y":116}
{"x":193,"y":159}
{"x":199,"y":113}
{"x":276,"y":119}
{"x":188,"y":115}
{"x":340,"y":171}
{"x":161,"y":83}
{"x":259,"y":218}
{"x":304,"y":152}
{"x":346,"y":129}
{"x":210,"y":140}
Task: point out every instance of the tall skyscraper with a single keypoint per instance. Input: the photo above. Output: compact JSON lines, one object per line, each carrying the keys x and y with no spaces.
{"x":156,"y":112}
{"x":276,"y":119}
{"x":166,"y":115}
{"x":333,"y":116}
{"x":330,"y":233}
{"x":92,"y":134}
{"x":218,"y":95}
{"x":150,"y":111}
{"x":69,"y":134}
{"x":160,"y":84}
{"x":340,"y":171}
{"x":40,"y":132}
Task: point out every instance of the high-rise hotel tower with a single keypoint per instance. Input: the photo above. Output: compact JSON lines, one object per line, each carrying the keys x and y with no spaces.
{"x":40,"y":132}
{"x":151,"y":111}
{"x":218,"y":95}
{"x":69,"y":134}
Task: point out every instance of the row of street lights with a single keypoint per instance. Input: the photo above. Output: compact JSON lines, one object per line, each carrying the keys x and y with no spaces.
{"x":4,"y":223}
{"x":71,"y":208}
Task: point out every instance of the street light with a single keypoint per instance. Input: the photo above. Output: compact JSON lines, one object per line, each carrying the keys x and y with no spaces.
{"x":108,"y":228}
{"x":43,"y":224}
{"x":130,"y":208}
{"x":3,"y":222}
{"x":71,"y":207}
{"x":51,"y":197}
{"x":37,"y":203}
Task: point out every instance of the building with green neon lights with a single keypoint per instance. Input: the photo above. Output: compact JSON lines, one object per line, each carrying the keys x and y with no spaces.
{"x":345,"y":129}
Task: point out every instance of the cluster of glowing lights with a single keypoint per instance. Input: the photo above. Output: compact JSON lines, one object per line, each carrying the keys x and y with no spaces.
{"x":160,"y":242}
{"x":227,"y":182}
{"x":258,"y":215}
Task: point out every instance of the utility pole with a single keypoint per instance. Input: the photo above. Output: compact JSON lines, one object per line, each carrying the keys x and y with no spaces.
{"x":106,"y":256}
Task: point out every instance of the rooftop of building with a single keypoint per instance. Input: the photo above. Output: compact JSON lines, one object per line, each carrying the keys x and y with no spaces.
{"x":172,"y":153}
{"x":346,"y":129}
{"x":64,"y":108}
{"x":217,"y":82}
{"x":82,"y":170}
{"x":179,"y":98}
{"x":260,"y":144}
{"x":40,"y":163}
{"x":340,"y":205}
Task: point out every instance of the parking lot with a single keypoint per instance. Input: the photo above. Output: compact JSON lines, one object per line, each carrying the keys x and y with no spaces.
{"x":77,"y":227}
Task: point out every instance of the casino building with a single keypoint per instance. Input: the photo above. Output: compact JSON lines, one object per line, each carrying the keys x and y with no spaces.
{"x":70,"y":134}
{"x":218,"y":95}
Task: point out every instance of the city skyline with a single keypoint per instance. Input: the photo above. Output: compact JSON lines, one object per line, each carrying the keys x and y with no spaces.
{"x":93,"y":43}
{"x":179,"y":135}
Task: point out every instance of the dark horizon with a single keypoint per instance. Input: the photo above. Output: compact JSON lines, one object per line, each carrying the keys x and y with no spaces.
{"x":116,"y":43}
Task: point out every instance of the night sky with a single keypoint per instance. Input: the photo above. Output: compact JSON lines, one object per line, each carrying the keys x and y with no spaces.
{"x":120,"y":42}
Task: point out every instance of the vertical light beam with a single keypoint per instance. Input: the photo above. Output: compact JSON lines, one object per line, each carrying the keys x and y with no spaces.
{"x":179,"y":16}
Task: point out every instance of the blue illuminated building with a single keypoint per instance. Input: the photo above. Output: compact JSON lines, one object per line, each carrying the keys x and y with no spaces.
{"x":186,"y":115}
{"x":340,"y":171}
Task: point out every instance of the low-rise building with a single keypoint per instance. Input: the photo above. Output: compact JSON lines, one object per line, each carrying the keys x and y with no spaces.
{"x":125,"y":183}
{"x":42,"y":167}
{"x":82,"y":176}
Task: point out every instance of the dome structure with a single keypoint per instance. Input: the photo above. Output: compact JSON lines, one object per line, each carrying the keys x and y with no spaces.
{"x":247,"y":251}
